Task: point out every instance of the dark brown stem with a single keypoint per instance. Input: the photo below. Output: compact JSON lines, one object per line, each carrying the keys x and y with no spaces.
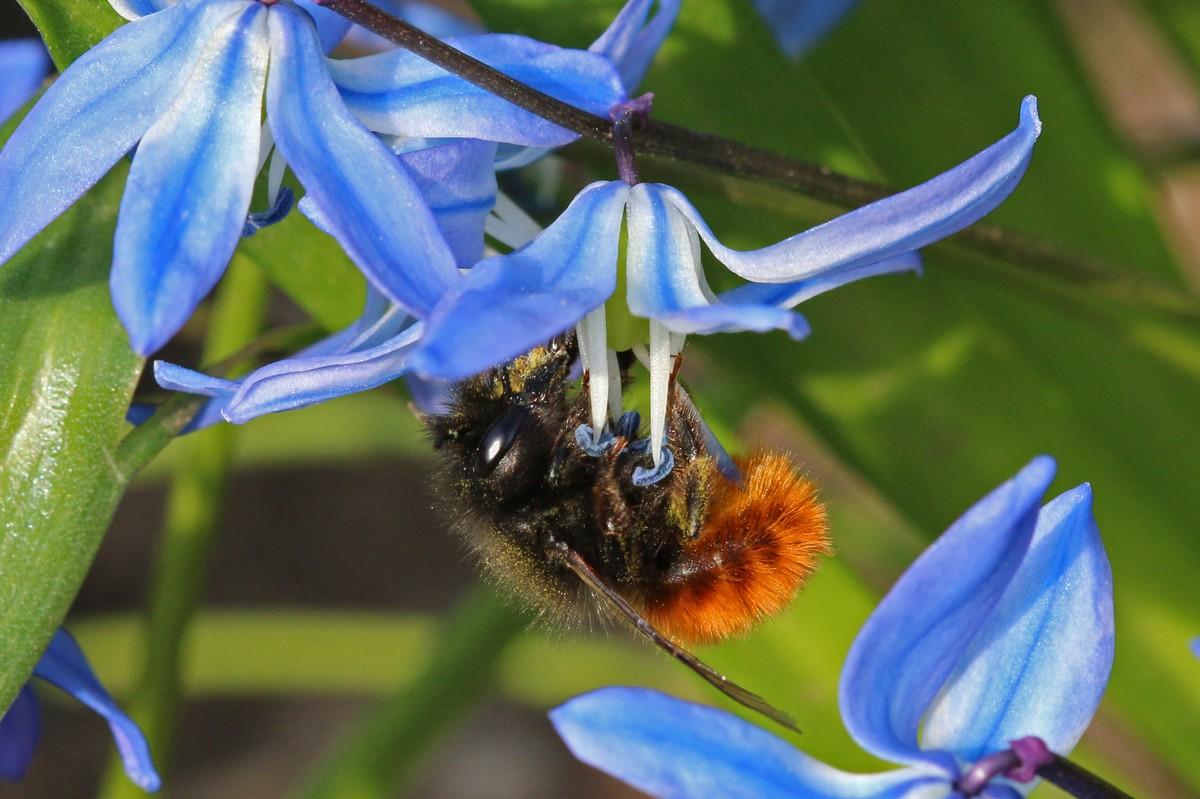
{"x":1078,"y":781}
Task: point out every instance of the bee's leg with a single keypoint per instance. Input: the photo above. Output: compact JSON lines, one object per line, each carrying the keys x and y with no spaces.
{"x":614,"y":517}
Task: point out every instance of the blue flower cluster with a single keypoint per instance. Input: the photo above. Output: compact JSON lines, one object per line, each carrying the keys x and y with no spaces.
{"x":1001,"y":630}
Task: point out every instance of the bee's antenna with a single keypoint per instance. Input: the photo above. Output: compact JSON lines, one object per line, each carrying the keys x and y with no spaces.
{"x":616,"y":604}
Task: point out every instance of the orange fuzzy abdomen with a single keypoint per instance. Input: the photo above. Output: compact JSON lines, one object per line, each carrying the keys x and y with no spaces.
{"x":759,"y":543}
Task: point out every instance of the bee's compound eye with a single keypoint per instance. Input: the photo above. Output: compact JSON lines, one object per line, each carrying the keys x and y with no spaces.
{"x":499,"y":438}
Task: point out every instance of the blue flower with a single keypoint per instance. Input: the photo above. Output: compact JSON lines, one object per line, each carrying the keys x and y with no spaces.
{"x":799,"y":24}
{"x":1002,"y":629}
{"x":65,"y":666}
{"x":184,"y":83}
{"x":23,"y":67}
{"x":508,"y":304}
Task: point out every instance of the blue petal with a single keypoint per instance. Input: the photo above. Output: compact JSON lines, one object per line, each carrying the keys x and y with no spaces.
{"x":20,"y":730}
{"x":366,"y":354}
{"x":365,"y":195}
{"x":96,"y":112}
{"x":64,"y":665}
{"x":918,"y":634}
{"x":430,"y":395}
{"x":401,"y":93}
{"x":331,"y":26}
{"x":898,"y":224}
{"x":670,"y":748}
{"x":630,"y":43}
{"x":788,"y":295}
{"x":666,"y":277}
{"x":257,"y":220}
{"x":301,"y":381}
{"x":189,"y":190}
{"x":189,"y":381}
{"x":136,"y":9}
{"x":512,"y":303}
{"x":1041,"y":662}
{"x":23,"y":67}
{"x":799,"y":24}
{"x":458,"y":181}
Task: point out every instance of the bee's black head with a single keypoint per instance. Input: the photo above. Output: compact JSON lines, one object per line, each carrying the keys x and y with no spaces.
{"x":498,"y":439}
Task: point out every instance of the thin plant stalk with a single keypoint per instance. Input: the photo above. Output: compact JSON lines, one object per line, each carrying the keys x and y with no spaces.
{"x":194,"y":501}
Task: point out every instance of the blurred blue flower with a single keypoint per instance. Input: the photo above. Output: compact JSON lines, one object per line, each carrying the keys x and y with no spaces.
{"x":1002,"y":629}
{"x":65,"y":666}
{"x":184,"y":83}
{"x":23,"y":66}
{"x":508,"y":304}
{"x":799,"y":24}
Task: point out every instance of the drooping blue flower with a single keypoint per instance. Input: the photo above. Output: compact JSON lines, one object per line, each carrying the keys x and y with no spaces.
{"x":508,"y":304}
{"x":799,"y":24}
{"x":23,"y":67}
{"x":184,"y":83}
{"x":64,"y":665}
{"x":1002,"y":629}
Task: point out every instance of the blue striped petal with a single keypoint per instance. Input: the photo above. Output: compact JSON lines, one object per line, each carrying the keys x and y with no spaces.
{"x":96,"y":112}
{"x":365,"y":196}
{"x":301,"y":381}
{"x":20,"y":730}
{"x":189,"y":190}
{"x":898,"y":224}
{"x":918,"y":634}
{"x":399,"y":92}
{"x":189,"y":381}
{"x":512,"y":303}
{"x":1041,"y":662}
{"x":458,"y":181}
{"x":787,"y":295}
{"x":670,"y":748}
{"x":799,"y":24}
{"x":64,"y":665}
{"x":631,"y":43}
{"x":665,"y":276}
{"x":23,"y":67}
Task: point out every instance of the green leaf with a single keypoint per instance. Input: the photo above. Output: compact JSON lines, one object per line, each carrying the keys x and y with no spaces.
{"x":70,"y":28}
{"x":309,"y":267}
{"x":67,"y":378}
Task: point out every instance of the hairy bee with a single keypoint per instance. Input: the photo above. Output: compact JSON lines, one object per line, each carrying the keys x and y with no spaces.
{"x":554,"y":515}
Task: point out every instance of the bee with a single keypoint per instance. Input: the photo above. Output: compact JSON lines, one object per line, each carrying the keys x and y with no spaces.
{"x":554,"y":516}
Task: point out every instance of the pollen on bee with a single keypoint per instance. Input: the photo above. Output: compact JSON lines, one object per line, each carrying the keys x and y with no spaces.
{"x":760,"y":541}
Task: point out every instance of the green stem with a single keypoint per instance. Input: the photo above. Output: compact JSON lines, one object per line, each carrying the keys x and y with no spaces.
{"x":384,"y":749}
{"x":194,"y":502}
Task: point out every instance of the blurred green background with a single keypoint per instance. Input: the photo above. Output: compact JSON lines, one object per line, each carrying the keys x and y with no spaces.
{"x":334,"y":582}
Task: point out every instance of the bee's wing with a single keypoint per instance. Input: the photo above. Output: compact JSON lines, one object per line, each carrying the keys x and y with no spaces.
{"x":616,"y":604}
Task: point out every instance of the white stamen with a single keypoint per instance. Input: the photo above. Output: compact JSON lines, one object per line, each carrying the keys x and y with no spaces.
{"x":275,"y":177}
{"x":593,"y":348}
{"x":614,"y":385}
{"x":266,"y":143}
{"x":509,"y":224}
{"x":660,"y":378}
